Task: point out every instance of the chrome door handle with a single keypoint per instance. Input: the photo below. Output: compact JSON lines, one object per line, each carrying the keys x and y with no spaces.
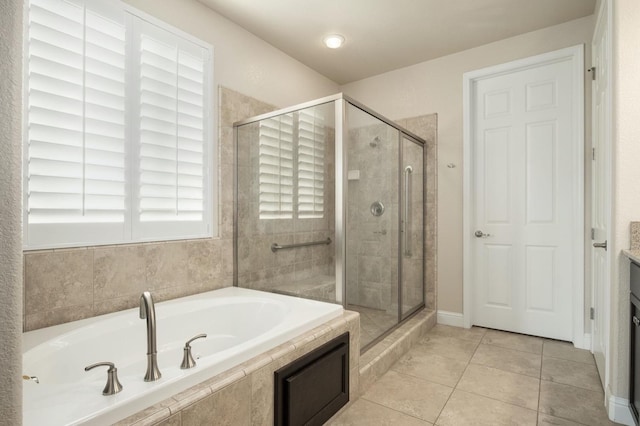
{"x":600,"y":245}
{"x":636,"y":321}
{"x":480,"y":234}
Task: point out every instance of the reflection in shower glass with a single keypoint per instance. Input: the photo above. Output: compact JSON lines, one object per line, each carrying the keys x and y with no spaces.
{"x":286,"y":197}
{"x":287,"y":240}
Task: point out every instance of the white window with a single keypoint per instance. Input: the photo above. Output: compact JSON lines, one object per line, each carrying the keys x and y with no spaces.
{"x":118,"y":145}
{"x":286,"y":190}
{"x":311,"y":142}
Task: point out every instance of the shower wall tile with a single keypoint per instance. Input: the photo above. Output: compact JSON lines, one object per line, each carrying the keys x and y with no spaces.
{"x":371,"y":253}
{"x":72,"y":284}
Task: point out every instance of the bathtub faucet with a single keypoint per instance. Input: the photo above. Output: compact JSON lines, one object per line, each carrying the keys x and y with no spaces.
{"x":148,"y":311}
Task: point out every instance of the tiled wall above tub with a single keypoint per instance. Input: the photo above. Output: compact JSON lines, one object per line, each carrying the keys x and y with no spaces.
{"x":71,"y":284}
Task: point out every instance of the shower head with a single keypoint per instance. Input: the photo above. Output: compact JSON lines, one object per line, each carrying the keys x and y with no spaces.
{"x":374,"y":142}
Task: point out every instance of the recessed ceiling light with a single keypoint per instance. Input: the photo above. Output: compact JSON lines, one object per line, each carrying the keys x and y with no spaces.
{"x":333,"y":41}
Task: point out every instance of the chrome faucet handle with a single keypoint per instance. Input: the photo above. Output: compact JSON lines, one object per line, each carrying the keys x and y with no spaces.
{"x":113,"y":385}
{"x":187,"y":359}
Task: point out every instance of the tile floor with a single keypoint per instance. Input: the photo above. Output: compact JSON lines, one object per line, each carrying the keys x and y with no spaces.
{"x":455,"y":376}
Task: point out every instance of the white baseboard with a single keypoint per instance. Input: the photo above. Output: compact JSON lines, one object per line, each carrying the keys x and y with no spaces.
{"x":584,"y":342}
{"x":454,"y":319}
{"x":619,"y":411}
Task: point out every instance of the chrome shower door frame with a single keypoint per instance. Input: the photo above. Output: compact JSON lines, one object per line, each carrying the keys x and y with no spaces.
{"x":341,"y":192}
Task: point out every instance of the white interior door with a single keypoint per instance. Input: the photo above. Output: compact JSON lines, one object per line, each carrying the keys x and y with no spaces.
{"x":601,"y":197}
{"x":524,"y":199}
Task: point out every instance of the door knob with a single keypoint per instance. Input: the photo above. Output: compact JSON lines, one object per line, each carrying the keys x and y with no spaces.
{"x":600,"y":245}
{"x":480,"y":234}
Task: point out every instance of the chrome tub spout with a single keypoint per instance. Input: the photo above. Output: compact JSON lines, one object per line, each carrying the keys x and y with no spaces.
{"x":148,"y":312}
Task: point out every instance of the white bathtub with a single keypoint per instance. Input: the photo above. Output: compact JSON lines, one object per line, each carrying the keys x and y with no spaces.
{"x":240,"y":324}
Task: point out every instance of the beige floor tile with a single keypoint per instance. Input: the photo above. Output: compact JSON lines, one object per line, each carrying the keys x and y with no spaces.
{"x":410,"y":395}
{"x":449,"y":347}
{"x":465,"y":408}
{"x":572,"y":403}
{"x":434,"y":368}
{"x":547,"y":420}
{"x":367,"y":413}
{"x":508,"y":360}
{"x":474,"y":333}
{"x":571,"y":373}
{"x":519,"y":342}
{"x":502,"y":385}
{"x":566,"y":350}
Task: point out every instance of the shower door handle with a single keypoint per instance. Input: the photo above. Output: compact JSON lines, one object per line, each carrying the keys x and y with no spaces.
{"x":406,"y":222}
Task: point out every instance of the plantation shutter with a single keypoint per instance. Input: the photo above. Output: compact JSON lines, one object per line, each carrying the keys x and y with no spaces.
{"x":276,"y":167}
{"x":117,"y":141}
{"x":75,"y":122}
{"x":311,"y":145}
{"x":172,"y":134}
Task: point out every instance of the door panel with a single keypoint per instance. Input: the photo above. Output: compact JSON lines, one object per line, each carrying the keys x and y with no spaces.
{"x":524,"y":200}
{"x":600,"y":196}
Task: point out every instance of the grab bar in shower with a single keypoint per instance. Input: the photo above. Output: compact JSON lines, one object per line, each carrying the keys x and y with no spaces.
{"x":406,"y":223}
{"x":275,"y":246}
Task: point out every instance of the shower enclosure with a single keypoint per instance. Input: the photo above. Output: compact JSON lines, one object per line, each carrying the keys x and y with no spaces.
{"x":329,"y":205}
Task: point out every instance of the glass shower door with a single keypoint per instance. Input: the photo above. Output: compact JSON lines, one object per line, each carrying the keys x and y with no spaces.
{"x":412,"y":224}
{"x":372,"y":228}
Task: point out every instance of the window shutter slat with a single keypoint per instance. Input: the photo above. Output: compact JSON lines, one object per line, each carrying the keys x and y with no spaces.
{"x":171,"y":130}
{"x":276,"y":168}
{"x":311,"y":140}
{"x":100,"y":89}
{"x":75,"y":115}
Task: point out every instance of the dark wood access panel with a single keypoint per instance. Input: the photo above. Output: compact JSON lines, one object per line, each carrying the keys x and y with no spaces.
{"x":315,"y":386}
{"x":634,"y":361}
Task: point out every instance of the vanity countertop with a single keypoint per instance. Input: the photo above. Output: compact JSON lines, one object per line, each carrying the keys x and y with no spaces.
{"x":634,"y":255}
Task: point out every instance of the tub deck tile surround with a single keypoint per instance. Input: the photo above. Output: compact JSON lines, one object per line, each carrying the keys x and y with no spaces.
{"x":244,"y":394}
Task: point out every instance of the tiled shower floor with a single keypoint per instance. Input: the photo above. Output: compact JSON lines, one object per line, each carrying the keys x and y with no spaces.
{"x":455,"y":376}
{"x":373,"y":322}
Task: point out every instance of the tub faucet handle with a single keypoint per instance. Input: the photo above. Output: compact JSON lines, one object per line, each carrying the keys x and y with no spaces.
{"x":187,"y":359}
{"x":113,"y":385}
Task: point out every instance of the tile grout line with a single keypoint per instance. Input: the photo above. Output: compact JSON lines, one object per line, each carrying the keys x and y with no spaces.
{"x":570,"y":360}
{"x":488,"y":397}
{"x":540,"y":384}
{"x":393,"y":409}
{"x":457,"y":382}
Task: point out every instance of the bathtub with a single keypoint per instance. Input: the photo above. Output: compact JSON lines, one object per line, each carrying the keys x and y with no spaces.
{"x":240,"y":324}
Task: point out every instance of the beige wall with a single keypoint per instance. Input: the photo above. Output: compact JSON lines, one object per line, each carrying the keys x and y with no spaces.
{"x":10,"y":214}
{"x":626,"y":180}
{"x":436,"y":86}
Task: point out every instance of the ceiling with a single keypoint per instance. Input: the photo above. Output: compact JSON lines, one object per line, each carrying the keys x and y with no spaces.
{"x":383,"y":35}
